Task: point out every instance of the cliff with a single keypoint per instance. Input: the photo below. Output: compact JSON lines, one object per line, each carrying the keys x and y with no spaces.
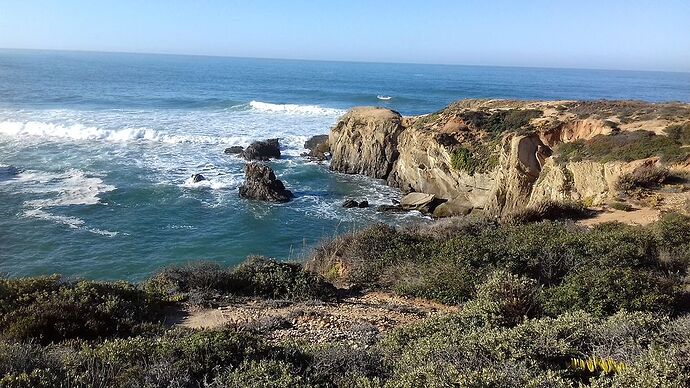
{"x":499,"y":156}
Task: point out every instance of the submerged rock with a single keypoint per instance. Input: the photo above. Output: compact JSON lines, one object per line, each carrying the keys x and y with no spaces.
{"x":363,"y":204}
{"x":196,"y":178}
{"x":261,"y":183}
{"x":262,"y":150}
{"x":234,"y":150}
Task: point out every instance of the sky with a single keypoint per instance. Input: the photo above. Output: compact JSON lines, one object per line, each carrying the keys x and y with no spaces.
{"x":606,"y":34}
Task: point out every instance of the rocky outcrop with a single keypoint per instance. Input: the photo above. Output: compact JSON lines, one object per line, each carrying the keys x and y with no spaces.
{"x":494,"y":156}
{"x":262,"y":150}
{"x":261,"y":183}
{"x":196,"y":178}
{"x":365,"y":142}
{"x":425,"y":203}
{"x":318,"y":147}
{"x":234,"y":150}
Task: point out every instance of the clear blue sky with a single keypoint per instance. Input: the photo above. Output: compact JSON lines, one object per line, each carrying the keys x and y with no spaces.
{"x":613,"y":34}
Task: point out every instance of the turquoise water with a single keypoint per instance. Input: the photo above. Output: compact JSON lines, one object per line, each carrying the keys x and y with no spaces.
{"x":96,"y":150}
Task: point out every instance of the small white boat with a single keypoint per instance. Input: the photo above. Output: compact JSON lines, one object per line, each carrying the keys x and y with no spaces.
{"x":384,"y":98}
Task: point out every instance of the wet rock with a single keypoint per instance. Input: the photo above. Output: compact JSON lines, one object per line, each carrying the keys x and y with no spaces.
{"x":196,"y":178}
{"x":262,"y":184}
{"x":363,"y":204}
{"x":316,"y":142}
{"x":318,"y":148}
{"x":262,"y":150}
{"x":350,"y":203}
{"x":390,"y":209}
{"x":234,"y":150}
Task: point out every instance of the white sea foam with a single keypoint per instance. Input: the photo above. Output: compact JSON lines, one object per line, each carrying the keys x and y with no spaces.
{"x":80,"y":132}
{"x":214,"y":183}
{"x":295,"y":109}
{"x":72,"y":187}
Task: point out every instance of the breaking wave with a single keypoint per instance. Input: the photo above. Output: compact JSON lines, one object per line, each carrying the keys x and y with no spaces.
{"x":295,"y":109}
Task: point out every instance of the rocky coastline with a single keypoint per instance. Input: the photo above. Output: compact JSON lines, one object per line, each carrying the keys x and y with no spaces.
{"x":498,"y":157}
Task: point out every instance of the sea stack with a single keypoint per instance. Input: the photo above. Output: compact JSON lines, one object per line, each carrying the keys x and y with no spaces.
{"x":261,"y":183}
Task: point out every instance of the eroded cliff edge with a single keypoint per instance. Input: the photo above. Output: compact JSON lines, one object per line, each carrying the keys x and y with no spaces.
{"x":498,"y":156}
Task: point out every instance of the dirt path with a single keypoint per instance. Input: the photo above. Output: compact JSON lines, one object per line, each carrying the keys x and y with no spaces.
{"x":357,"y":320}
{"x":643,"y":216}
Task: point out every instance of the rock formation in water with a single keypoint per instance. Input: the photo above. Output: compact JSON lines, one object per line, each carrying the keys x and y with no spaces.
{"x":499,"y":156}
{"x":318,"y":147}
{"x":261,"y":183}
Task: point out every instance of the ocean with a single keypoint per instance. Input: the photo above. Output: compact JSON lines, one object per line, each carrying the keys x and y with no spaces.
{"x":96,"y":151}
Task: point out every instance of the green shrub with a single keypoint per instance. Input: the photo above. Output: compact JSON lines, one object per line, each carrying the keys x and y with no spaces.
{"x":501,"y":121}
{"x":342,"y":366}
{"x":623,"y":146}
{"x":605,"y":290}
{"x":549,"y":210}
{"x":679,"y":132}
{"x":262,"y":373}
{"x":361,"y":258}
{"x":178,"y":358}
{"x":508,"y":298}
{"x":622,"y":206}
{"x":481,"y":158}
{"x":268,"y":278}
{"x":49,"y":309}
{"x":646,"y":176}
{"x":256,"y":276}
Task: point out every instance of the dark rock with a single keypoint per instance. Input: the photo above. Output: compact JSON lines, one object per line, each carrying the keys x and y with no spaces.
{"x":261,"y":183}
{"x":363,"y":204}
{"x":318,"y":148}
{"x":234,"y":150}
{"x":350,"y":203}
{"x":196,"y":178}
{"x":390,"y":209}
{"x":262,"y":150}
{"x":316,"y":141}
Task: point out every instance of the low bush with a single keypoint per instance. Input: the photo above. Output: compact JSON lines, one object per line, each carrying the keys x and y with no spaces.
{"x":646,"y":176}
{"x":624,"y":146}
{"x":621,"y":206}
{"x":508,"y":298}
{"x":256,"y":276}
{"x":50,"y":309}
{"x":481,"y":158}
{"x":679,"y":132}
{"x":577,"y":267}
{"x":603,"y":291}
{"x":549,"y":210}
{"x":501,"y":121}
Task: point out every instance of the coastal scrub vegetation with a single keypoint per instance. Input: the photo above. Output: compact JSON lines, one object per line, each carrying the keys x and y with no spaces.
{"x":626,"y":147}
{"x":542,"y":304}
{"x":502,"y":121}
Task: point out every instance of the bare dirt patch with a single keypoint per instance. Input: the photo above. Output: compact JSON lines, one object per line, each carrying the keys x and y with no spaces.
{"x":356,"y":320}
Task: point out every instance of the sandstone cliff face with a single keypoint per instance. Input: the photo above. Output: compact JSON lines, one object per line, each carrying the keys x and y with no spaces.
{"x":417,"y":153}
{"x":365,"y":141}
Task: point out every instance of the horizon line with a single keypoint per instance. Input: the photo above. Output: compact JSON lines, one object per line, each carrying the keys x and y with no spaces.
{"x":339,"y":60}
